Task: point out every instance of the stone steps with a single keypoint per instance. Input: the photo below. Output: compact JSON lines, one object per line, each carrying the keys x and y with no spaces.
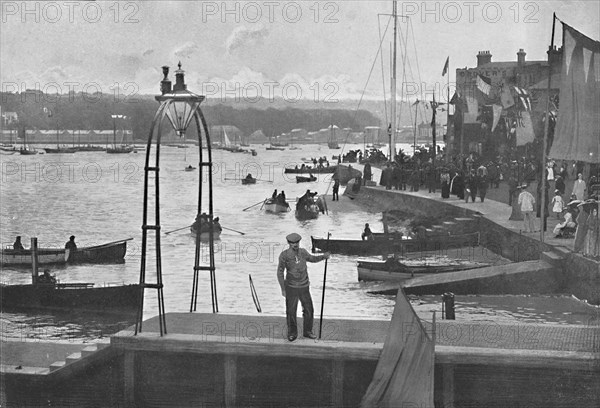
{"x":78,"y":358}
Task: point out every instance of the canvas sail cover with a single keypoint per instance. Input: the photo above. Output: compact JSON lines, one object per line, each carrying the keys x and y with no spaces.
{"x":577,"y":132}
{"x":404,"y":373}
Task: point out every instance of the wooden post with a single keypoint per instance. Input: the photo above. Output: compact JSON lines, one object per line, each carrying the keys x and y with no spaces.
{"x":129,"y":378}
{"x":337,"y":383}
{"x":34,"y":260}
{"x":447,"y":385}
{"x":230,"y":390}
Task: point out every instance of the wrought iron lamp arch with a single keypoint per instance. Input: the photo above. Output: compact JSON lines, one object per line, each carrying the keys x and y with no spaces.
{"x":180,"y":107}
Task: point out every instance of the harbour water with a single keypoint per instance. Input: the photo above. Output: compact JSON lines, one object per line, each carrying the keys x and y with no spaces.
{"x":98,"y":198}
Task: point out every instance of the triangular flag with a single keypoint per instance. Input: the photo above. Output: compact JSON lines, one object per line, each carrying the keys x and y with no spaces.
{"x":483,"y":84}
{"x":496,"y":112}
{"x":446,"y":66}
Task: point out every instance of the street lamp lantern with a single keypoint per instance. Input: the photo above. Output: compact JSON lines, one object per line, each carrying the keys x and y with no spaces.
{"x":181,"y":107}
{"x":181,"y":104}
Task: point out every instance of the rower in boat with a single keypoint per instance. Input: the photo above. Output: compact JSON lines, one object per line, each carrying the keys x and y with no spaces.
{"x":18,"y":245}
{"x":71,"y":243}
{"x":367,"y":233}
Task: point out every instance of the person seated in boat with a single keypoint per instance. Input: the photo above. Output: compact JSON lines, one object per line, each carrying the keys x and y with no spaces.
{"x":46,"y":277}
{"x":249,"y":176}
{"x":18,"y":245}
{"x":367,"y":234}
{"x":274,"y":195}
{"x":216,"y":225}
{"x":71,"y":243}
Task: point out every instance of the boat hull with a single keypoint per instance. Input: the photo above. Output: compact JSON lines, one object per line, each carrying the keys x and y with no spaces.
{"x":390,"y":245}
{"x":307,"y":214}
{"x":398,"y":271}
{"x":274,"y":207}
{"x":313,"y":170}
{"x":205,"y":235}
{"x":12,"y":257}
{"x":71,"y":297}
{"x":301,"y":179}
{"x":105,"y":253}
{"x":246,"y":181}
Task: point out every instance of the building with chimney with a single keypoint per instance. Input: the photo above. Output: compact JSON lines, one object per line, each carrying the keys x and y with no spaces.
{"x":531,"y":76}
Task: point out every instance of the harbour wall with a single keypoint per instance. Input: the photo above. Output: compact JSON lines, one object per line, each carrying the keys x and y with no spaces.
{"x":577,"y":275}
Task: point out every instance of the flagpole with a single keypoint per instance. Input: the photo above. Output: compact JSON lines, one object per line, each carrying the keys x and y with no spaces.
{"x":393,"y":90}
{"x":545,"y":143}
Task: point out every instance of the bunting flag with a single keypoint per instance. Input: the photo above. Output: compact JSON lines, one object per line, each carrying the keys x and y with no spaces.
{"x":506,"y":97}
{"x":446,"y":66}
{"x":470,"y":116}
{"x":524,"y":99}
{"x":484,"y":84}
{"x":496,"y":112}
{"x":524,"y":129}
{"x":577,"y":132}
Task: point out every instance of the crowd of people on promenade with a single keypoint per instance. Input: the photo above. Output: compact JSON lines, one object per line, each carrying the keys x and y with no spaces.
{"x":470,"y":178}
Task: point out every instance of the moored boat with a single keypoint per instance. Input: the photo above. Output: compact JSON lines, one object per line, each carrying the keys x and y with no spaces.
{"x":247,"y":180}
{"x":120,"y":149}
{"x":71,"y":296}
{"x":395,"y":270}
{"x":392,"y":244}
{"x":303,"y":179}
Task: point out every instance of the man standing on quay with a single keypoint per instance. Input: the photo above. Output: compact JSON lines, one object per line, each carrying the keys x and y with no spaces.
{"x":295,"y":286}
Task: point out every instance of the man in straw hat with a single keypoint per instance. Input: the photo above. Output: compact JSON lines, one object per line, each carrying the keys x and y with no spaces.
{"x":295,"y":286}
{"x":527,"y":204}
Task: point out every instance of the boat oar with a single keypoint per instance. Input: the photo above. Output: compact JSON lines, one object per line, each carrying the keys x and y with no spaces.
{"x":323,"y":297}
{"x":178,"y":229}
{"x":229,"y":229}
{"x":254,"y":205}
{"x":254,"y":295}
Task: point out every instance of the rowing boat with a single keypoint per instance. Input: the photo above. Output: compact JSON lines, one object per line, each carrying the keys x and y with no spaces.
{"x":392,"y":244}
{"x":303,"y":179}
{"x":314,"y":170}
{"x":275,"y":206}
{"x":112,"y":252}
{"x":395,"y":270}
{"x":71,"y":296}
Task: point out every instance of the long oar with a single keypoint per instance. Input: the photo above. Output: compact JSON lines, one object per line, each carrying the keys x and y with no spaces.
{"x":323,"y":297}
{"x":178,"y":229}
{"x":229,"y":229}
{"x":254,"y":205}
{"x":254,"y":295}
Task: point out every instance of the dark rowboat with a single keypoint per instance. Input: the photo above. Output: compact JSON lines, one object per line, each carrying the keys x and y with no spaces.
{"x":390,"y":245}
{"x":395,"y":270}
{"x":314,"y":170}
{"x":248,"y":181}
{"x":302,"y":179}
{"x":71,"y":296}
{"x":205,"y":233}
{"x":112,"y":252}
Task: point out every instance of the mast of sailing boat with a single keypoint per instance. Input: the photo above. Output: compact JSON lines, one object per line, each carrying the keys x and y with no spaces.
{"x":393,"y":91}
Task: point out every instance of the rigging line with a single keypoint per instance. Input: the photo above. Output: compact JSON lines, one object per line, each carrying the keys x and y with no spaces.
{"x":404,"y":59}
{"x":359,"y":102}
{"x":420,"y":107}
{"x":382,"y":66}
{"x":416,"y":55}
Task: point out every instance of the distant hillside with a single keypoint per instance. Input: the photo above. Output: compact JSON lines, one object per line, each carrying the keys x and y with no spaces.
{"x":93,"y":111}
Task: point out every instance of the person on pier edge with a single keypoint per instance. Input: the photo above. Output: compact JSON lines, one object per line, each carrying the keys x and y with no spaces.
{"x":367,"y":233}
{"x":71,"y":243}
{"x":336,"y":190}
{"x":18,"y":245}
{"x":295,"y":285}
{"x":527,"y":203}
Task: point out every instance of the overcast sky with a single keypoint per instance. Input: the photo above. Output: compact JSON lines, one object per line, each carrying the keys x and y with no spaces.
{"x":325,"y":50}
